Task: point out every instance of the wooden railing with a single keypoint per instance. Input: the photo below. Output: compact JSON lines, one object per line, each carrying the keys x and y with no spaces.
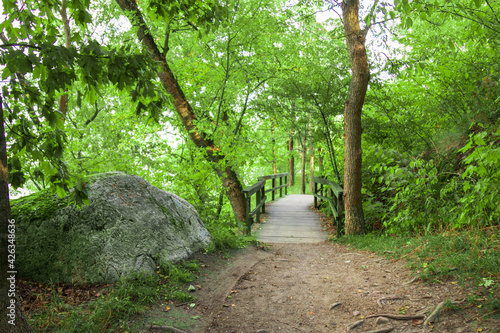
{"x":259,"y":189}
{"x":333,"y":196}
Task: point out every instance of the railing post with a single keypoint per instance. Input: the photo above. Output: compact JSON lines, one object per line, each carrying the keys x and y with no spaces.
{"x":281,"y":183}
{"x":286,"y":187}
{"x":257,"y":202}
{"x":249,"y":218}
{"x":274,"y":185}
{"x":263,"y":194}
{"x":321,"y":193}
{"x":315,"y":192}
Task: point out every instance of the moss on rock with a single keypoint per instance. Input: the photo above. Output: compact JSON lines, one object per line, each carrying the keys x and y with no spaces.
{"x":127,"y":223}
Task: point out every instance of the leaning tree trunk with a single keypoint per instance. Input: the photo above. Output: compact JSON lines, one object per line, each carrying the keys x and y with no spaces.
{"x":355,"y":40}
{"x":12,"y":319}
{"x":184,"y":110}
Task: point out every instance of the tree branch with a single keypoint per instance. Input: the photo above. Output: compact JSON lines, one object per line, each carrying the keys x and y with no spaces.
{"x":165,"y":44}
{"x":91,"y":119}
{"x":21,"y":45}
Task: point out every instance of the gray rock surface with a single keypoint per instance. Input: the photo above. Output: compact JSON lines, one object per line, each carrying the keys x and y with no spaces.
{"x":129,"y":226}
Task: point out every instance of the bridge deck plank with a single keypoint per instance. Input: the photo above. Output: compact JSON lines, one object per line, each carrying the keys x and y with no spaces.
{"x":291,"y":221}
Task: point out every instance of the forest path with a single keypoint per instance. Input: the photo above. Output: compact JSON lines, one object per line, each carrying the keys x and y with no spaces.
{"x":312,"y":287}
{"x":291,"y":220}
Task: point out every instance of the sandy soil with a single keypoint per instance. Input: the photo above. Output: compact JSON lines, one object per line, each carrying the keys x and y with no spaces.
{"x":314,"y":288}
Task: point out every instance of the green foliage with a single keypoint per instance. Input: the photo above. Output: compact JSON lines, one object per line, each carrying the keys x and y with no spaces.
{"x":458,"y":190}
{"x":481,"y":184}
{"x":226,"y":234}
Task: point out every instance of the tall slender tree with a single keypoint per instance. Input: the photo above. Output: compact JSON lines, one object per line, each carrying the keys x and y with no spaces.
{"x":355,"y":40}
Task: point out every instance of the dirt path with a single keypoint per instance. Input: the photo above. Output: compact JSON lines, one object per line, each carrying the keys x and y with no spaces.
{"x":292,"y":288}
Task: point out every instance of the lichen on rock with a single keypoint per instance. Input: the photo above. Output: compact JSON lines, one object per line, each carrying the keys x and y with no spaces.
{"x":129,"y":226}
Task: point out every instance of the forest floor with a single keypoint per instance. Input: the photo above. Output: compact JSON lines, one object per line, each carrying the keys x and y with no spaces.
{"x":324,"y":287}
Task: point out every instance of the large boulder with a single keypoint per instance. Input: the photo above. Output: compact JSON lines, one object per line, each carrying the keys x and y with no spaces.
{"x":129,"y":226}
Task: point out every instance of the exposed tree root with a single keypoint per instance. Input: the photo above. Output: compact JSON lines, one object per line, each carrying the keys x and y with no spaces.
{"x":382,"y":330}
{"x":356,"y":324}
{"x":397,"y":317}
{"x":434,"y":313}
{"x":415,"y":279}
{"x":334,"y":305}
{"x":166,"y":329}
{"x":379,"y":302}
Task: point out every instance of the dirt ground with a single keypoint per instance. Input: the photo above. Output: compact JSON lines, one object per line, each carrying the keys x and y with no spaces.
{"x":314,"y":288}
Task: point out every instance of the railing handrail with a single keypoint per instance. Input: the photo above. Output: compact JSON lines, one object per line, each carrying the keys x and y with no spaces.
{"x":259,"y":189}
{"x":273,"y":176}
{"x":255,"y":187}
{"x":334,"y":200}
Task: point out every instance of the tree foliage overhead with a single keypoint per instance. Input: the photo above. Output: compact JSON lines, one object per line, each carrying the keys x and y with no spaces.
{"x":209,"y":93}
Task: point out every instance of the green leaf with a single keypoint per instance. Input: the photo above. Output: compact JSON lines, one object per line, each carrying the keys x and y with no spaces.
{"x":79,"y":99}
{"x":17,"y":179}
{"x":409,"y":22}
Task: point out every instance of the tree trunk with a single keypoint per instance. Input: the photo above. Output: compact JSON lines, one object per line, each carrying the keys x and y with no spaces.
{"x":291,"y":163}
{"x":274,"y":147}
{"x":355,"y":40}
{"x":184,"y":110}
{"x":303,"y":169}
{"x":320,"y":162}
{"x":12,"y":319}
{"x":311,"y":165}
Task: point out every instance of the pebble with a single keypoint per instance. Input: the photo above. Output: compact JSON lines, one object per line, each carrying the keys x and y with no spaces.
{"x":381,"y":321}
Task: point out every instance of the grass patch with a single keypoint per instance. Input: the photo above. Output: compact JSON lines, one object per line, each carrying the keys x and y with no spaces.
{"x":470,"y":258}
{"x":227,"y":234}
{"x":112,"y":308}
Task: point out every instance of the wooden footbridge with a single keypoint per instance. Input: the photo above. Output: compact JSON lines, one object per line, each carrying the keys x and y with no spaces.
{"x":290,"y":219}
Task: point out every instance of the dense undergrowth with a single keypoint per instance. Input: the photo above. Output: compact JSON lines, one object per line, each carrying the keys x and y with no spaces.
{"x":458,"y":188}
{"x":440,"y":211}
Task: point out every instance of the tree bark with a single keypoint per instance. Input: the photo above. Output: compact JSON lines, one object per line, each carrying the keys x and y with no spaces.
{"x":311,"y":164}
{"x":184,"y":110}
{"x":303,"y":169}
{"x":291,"y":163}
{"x":274,"y":147}
{"x":320,"y":162}
{"x":10,"y":320}
{"x":355,"y":40}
